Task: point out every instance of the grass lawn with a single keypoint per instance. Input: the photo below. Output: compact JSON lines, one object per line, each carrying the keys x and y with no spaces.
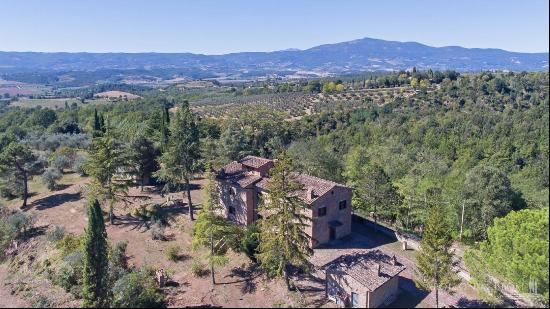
{"x":36,"y":186}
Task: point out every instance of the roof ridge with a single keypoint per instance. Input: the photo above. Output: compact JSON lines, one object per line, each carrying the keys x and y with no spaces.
{"x":322,"y":179}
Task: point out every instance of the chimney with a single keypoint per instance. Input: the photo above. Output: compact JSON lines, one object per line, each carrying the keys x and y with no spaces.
{"x":394,"y":260}
{"x":378,"y":269}
{"x":310,"y":193}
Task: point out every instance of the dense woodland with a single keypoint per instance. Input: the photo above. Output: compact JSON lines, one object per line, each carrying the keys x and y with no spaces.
{"x":475,"y":144}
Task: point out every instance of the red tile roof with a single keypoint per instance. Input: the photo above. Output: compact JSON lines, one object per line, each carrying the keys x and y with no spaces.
{"x":363,"y":267}
{"x":241,"y":173}
{"x":254,"y":162}
{"x":319,"y":186}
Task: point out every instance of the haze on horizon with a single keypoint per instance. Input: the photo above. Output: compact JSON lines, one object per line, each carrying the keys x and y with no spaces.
{"x":213,"y":27}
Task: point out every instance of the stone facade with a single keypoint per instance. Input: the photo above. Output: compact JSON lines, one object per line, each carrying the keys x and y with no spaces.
{"x":328,"y":204}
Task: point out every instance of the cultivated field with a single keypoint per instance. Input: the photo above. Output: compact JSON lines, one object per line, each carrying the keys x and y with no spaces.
{"x":55,"y":103}
{"x":116,"y":95}
{"x":300,"y":104}
{"x":17,"y":88}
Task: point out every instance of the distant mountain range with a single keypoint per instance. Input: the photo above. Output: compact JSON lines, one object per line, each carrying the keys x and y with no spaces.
{"x":348,"y":57}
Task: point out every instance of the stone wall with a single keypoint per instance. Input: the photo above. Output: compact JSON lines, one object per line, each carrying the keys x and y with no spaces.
{"x":413,"y":242}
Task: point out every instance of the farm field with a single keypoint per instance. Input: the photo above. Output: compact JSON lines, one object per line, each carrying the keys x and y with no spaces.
{"x":298,"y":104}
{"x":55,"y":103}
{"x":116,"y":95}
{"x":14,"y":88}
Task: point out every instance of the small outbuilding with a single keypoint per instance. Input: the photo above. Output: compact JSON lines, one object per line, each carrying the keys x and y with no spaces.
{"x":367,"y":279}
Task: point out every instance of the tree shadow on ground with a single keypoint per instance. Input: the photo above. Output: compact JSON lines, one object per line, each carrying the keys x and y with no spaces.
{"x":410,"y":295}
{"x":464,"y":302}
{"x":54,"y":201}
{"x":245,"y":275}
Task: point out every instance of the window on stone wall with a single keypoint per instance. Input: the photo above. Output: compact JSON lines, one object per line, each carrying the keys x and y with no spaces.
{"x":343,"y":204}
{"x":232,"y":210}
{"x":322,"y":211}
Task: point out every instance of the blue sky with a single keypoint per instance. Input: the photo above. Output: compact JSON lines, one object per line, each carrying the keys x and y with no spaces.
{"x":215,"y":27}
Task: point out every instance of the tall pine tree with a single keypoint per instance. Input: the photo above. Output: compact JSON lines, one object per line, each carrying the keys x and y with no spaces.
{"x":180,"y":160}
{"x":283,"y":238}
{"x":95,"y":283}
{"x":107,"y":158}
{"x":436,"y":262}
{"x":212,"y":230}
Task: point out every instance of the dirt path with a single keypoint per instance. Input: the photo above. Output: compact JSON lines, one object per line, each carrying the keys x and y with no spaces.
{"x":7,"y":300}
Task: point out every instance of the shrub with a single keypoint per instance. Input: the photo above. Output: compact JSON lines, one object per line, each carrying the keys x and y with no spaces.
{"x":50,"y":177}
{"x":21,"y":223}
{"x":69,"y":274}
{"x":157,"y":232}
{"x":198,"y":269}
{"x":118,"y":255}
{"x":42,"y":302}
{"x":6,"y":237}
{"x":251,"y":241}
{"x":61,"y":162}
{"x":56,"y":234}
{"x":69,"y":244}
{"x":137,"y":290}
{"x":173,"y":253}
{"x":79,"y":165}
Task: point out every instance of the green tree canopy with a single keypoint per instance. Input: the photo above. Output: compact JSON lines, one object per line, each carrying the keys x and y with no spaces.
{"x":283,"y":238}
{"x":516,"y":251}
{"x":181,"y":158}
{"x":18,"y":164}
{"x":487,"y":195}
{"x":96,"y":282}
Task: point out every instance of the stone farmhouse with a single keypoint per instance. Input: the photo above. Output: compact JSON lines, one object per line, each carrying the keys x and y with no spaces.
{"x":367,"y":279}
{"x":328,"y":204}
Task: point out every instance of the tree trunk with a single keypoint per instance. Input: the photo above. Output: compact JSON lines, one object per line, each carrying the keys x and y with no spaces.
{"x":211,"y":255}
{"x":436,"y":297}
{"x":287,"y":279}
{"x":111,"y":213}
{"x":188,"y":188}
{"x":25,"y":190}
{"x":142,"y":182}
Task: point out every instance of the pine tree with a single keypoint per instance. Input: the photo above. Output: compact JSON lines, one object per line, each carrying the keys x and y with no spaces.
{"x":97,"y":124}
{"x":283,"y":238}
{"x":164,"y":130}
{"x":18,"y":164}
{"x":107,"y":158}
{"x":143,"y":158}
{"x":180,"y":160}
{"x":436,"y":262}
{"x":376,"y":190}
{"x":212,"y":230}
{"x":95,"y":283}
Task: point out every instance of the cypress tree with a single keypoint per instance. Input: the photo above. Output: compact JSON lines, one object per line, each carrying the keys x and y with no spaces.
{"x":96,"y":288}
{"x":436,"y":263}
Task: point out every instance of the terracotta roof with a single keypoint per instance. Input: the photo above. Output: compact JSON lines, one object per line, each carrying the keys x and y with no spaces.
{"x":254,"y":162}
{"x":319,"y":186}
{"x":241,"y":173}
{"x":233,"y":168}
{"x":363,"y":267}
{"x":248,"y":179}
